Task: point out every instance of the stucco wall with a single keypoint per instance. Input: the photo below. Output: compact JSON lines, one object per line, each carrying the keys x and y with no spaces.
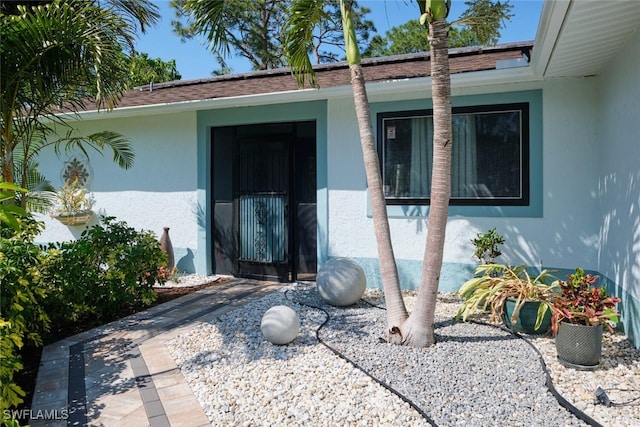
{"x":562,"y":233}
{"x":619,"y":172}
{"x":159,"y":190}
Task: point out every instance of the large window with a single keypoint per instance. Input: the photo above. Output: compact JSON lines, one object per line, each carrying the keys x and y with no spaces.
{"x":490,"y":157}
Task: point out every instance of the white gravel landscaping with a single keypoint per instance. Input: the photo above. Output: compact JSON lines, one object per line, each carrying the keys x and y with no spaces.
{"x":476,"y":375}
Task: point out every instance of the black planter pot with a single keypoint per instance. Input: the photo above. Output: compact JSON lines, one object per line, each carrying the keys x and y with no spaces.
{"x":579,"y":346}
{"x":526,"y":320}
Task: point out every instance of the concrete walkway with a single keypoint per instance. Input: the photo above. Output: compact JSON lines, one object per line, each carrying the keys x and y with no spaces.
{"x":121,"y":374}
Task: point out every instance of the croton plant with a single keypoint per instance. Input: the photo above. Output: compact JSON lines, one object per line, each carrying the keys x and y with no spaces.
{"x":580,"y":302}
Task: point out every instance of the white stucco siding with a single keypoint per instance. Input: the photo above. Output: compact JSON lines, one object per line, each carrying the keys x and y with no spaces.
{"x":159,"y":190}
{"x":568,"y":234}
{"x":619,"y":167}
{"x":565,"y":235}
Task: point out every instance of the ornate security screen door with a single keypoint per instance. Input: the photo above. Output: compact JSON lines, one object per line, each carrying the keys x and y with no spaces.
{"x":263,"y":197}
{"x":262,"y":227}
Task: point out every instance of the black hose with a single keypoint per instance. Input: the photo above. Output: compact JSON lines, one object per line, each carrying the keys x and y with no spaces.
{"x":548,"y":382}
{"x":357,"y":366}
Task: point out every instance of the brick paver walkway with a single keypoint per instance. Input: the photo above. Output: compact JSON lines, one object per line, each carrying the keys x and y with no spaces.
{"x":121,"y":374}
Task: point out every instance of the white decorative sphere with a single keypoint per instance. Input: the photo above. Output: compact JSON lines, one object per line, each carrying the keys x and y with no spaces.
{"x":341,"y":282}
{"x":280,"y":325}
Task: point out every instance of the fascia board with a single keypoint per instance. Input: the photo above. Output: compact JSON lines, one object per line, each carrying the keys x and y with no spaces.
{"x":551,"y":22}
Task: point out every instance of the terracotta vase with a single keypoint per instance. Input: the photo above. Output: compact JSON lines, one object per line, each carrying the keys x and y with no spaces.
{"x":167,"y":247}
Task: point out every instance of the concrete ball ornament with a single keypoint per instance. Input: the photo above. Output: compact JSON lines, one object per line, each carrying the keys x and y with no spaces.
{"x":341,"y":282}
{"x":280,"y":325}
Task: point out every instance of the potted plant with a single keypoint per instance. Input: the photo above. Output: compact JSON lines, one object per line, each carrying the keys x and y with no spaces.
{"x":579,"y":315}
{"x":73,"y":204}
{"x":487,"y":246}
{"x":521,"y":301}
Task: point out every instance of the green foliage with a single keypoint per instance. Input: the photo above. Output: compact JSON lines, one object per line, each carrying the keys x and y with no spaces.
{"x":411,"y":37}
{"x":583,"y":303}
{"x":10,"y":342}
{"x":251,"y":29}
{"x":61,"y":54}
{"x":257,"y":30}
{"x":329,"y":40}
{"x":485,"y":18}
{"x":145,"y":70}
{"x":488,"y":246}
{"x":22,"y":316}
{"x":110,"y":268}
{"x":494,"y":283}
{"x":9,"y":212}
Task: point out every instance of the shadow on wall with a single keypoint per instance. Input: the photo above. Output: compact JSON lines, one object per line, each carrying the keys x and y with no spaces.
{"x":620,"y":245}
{"x":224,"y":250}
{"x":547,"y":243}
{"x":186,"y":263}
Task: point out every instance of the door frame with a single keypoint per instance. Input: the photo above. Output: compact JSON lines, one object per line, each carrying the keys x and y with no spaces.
{"x":301,"y":213}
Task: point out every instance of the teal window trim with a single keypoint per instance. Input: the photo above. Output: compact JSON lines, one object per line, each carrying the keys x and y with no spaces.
{"x":534,"y":209}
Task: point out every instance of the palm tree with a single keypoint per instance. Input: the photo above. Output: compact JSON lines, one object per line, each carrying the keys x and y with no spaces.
{"x":54,"y":57}
{"x":484,"y":17}
{"x":418,"y":330}
{"x":303,"y":17}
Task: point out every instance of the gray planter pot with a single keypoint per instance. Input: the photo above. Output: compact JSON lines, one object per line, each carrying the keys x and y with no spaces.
{"x":579,"y":346}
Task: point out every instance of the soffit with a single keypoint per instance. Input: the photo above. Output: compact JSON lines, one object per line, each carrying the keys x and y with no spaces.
{"x":590,"y":34}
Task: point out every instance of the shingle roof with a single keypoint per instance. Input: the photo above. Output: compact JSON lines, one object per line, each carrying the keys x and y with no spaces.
{"x":328,"y":75}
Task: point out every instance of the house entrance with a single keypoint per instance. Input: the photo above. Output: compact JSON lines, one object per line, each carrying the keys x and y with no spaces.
{"x":265,"y":208}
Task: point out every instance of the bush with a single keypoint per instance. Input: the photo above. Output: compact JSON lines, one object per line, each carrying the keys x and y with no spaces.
{"x":22,"y":317}
{"x":109,"y":269}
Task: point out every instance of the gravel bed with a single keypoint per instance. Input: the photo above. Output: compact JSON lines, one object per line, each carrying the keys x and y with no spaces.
{"x":475,"y":375}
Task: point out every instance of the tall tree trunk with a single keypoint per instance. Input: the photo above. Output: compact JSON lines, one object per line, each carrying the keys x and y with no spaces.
{"x":396,"y":311}
{"x":418,"y":331}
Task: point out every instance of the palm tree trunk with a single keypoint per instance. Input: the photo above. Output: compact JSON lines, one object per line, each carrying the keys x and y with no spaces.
{"x":418,"y":331}
{"x":396,"y":311}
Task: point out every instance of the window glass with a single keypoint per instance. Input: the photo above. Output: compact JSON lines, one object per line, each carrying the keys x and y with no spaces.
{"x":489,"y":164}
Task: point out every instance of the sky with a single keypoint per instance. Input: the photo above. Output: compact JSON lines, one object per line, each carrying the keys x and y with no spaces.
{"x":195,"y":61}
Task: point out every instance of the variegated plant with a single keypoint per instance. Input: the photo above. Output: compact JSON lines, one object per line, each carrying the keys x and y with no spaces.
{"x":494,"y":283}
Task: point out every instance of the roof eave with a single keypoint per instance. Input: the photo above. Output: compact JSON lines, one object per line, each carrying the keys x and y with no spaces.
{"x":484,"y":79}
{"x":551,"y":21}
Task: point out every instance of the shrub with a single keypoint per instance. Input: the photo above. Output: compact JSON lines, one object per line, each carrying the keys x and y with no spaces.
{"x":110,"y":268}
{"x":22,"y":317}
{"x":487,"y":246}
{"x":583,"y":303}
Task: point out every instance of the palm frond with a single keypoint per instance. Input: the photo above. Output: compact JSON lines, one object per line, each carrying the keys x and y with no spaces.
{"x":139,"y":12}
{"x":208,"y":17}
{"x":63,"y":52}
{"x":304,"y":16}
{"x":120,"y":146}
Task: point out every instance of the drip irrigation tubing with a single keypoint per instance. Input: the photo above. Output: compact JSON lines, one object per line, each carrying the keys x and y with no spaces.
{"x":404,"y":398}
{"x":548,"y":382}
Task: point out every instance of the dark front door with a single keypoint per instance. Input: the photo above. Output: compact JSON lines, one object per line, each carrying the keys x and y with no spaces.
{"x":264,"y":201}
{"x":262,"y":206}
